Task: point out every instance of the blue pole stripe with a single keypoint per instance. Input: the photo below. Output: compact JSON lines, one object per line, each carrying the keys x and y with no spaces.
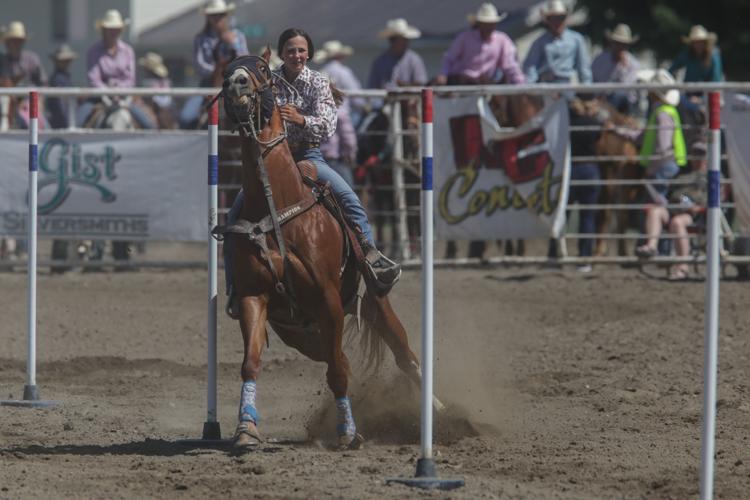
{"x":713,"y":188}
{"x":213,"y":170}
{"x":33,"y":158}
{"x":427,"y":173}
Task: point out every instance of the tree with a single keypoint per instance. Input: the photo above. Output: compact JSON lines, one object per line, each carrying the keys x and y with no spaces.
{"x":662,"y":23}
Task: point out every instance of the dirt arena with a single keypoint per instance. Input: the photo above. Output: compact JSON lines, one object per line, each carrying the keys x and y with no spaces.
{"x":559,"y":385}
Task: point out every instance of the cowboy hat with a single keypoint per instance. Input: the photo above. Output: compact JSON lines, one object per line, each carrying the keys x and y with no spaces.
{"x":63,"y":53}
{"x":112,"y":20}
{"x":154,"y":63}
{"x":621,"y":34}
{"x":699,"y":34}
{"x":399,"y":27}
{"x":670,"y":96}
{"x":331,"y":49}
{"x":16,"y":30}
{"x":487,"y":13}
{"x":217,"y":7}
{"x":554,"y":8}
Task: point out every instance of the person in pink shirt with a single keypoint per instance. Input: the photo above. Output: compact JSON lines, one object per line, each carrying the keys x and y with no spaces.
{"x":482,"y":54}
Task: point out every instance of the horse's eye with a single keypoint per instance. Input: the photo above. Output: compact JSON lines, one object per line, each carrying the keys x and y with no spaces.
{"x":242,"y":80}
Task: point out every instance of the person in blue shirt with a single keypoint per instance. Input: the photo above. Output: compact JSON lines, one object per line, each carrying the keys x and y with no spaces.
{"x":559,"y":53}
{"x":701,"y":58}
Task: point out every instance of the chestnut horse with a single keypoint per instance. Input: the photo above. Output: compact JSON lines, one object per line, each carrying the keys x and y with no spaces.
{"x":321,"y":280}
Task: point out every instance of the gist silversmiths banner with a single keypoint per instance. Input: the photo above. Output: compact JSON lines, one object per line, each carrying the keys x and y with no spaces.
{"x":134,"y":186}
{"x":494,"y":184}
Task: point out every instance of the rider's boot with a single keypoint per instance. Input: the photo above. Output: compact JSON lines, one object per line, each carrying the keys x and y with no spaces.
{"x":384,"y":271}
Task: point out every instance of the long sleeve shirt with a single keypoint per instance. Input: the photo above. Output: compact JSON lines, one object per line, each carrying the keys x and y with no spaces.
{"x":554,"y":59}
{"x":343,"y":143}
{"x":344,"y":79}
{"x":25,"y":69}
{"x":203,"y":50}
{"x":107,"y":70}
{"x":695,"y":70}
{"x":314,"y":101}
{"x":492,"y":60}
{"x":389,"y":71}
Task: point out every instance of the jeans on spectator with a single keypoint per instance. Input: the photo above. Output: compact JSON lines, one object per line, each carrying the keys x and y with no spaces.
{"x":347,"y":198}
{"x":191,"y":111}
{"x":86,"y":108}
{"x":666,"y":171}
{"x":585,"y":195}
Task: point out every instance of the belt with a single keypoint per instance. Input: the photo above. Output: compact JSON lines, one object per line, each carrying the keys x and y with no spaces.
{"x":301,"y":146}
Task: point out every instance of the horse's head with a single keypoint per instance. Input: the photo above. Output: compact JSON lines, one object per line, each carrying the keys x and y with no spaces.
{"x":248,"y":92}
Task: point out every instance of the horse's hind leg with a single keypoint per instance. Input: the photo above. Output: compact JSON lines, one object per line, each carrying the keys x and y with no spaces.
{"x":253,"y":311}
{"x":392,"y":331}
{"x":331,"y":320}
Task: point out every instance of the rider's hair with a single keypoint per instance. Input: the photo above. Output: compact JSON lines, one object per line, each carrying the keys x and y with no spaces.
{"x":290,"y":33}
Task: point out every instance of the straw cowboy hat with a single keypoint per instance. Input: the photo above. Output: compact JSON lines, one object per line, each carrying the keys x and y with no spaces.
{"x":63,"y":53}
{"x":154,"y":63}
{"x":621,"y":34}
{"x":331,"y":49}
{"x":217,"y":7}
{"x":112,"y":20}
{"x":699,"y":34}
{"x":671,"y":96}
{"x":487,"y":13}
{"x":399,"y":27}
{"x":16,"y":30}
{"x":554,"y":8}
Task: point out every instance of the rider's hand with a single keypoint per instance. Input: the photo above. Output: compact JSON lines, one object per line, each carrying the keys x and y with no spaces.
{"x":291,"y":114}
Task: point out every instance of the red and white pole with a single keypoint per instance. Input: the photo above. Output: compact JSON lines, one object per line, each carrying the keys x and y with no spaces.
{"x":30,"y":392}
{"x":711,"y":340}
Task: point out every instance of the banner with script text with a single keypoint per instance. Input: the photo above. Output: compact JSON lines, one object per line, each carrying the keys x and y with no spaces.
{"x":494,"y":184}
{"x":134,"y":186}
{"x":736,"y":118}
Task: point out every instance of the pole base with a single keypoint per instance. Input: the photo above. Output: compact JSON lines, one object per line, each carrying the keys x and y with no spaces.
{"x":30,"y":400}
{"x":426,"y":478}
{"x":211,"y":438}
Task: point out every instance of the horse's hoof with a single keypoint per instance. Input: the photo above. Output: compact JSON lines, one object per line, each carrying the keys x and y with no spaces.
{"x":348,"y":442}
{"x":246,"y":437}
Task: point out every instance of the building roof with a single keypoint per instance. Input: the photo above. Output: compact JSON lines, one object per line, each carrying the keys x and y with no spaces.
{"x":354,"y":22}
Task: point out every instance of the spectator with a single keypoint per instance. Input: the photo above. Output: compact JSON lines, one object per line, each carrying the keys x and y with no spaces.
{"x":398,"y":65}
{"x":481,"y":54}
{"x":217,"y":43}
{"x":583,"y":143}
{"x":157,"y":77}
{"x":332,"y":55}
{"x":110,"y":63}
{"x":701,"y":59}
{"x":663,"y":150}
{"x":618,"y":65}
{"x":22,"y":67}
{"x":57,"y":108}
{"x":340,"y":150}
{"x":691,"y":198}
{"x":560,"y":53}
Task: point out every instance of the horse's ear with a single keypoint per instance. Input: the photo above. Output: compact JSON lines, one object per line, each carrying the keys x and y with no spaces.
{"x":266,"y":55}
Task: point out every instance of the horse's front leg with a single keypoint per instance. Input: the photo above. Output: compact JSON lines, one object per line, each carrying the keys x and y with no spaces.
{"x":253,"y":313}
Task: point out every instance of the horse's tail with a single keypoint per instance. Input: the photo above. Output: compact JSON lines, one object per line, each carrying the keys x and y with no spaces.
{"x":367,"y":328}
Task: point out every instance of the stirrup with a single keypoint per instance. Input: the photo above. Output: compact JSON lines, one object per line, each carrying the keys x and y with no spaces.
{"x":384,"y":272}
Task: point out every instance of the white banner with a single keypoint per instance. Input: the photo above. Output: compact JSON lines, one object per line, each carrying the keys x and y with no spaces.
{"x":131,"y":186}
{"x":736,"y":119}
{"x":491,"y":184}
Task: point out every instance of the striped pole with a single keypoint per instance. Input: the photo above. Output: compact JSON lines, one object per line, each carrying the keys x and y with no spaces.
{"x":30,"y":391}
{"x":211,"y":428}
{"x":427,"y":284}
{"x":711,"y":333}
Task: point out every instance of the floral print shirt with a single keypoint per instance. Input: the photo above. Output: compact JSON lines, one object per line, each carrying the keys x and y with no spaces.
{"x":314,"y":101}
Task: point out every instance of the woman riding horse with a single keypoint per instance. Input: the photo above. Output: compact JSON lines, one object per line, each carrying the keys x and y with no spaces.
{"x":308,"y":108}
{"x":293,"y":267}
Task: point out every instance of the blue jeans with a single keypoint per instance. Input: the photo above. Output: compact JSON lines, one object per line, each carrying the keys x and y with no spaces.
{"x":665,"y":172}
{"x":347,"y":198}
{"x":585,"y":195}
{"x":86,"y":108}
{"x":191,"y":111}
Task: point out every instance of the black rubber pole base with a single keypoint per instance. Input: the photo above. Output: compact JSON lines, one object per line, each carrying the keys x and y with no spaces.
{"x":211,"y":438}
{"x":30,"y":400}
{"x":30,"y":393}
{"x":212,"y":431}
{"x":426,"y":478}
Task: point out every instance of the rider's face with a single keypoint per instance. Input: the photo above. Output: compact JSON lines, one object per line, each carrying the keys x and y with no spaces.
{"x":295,"y":54}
